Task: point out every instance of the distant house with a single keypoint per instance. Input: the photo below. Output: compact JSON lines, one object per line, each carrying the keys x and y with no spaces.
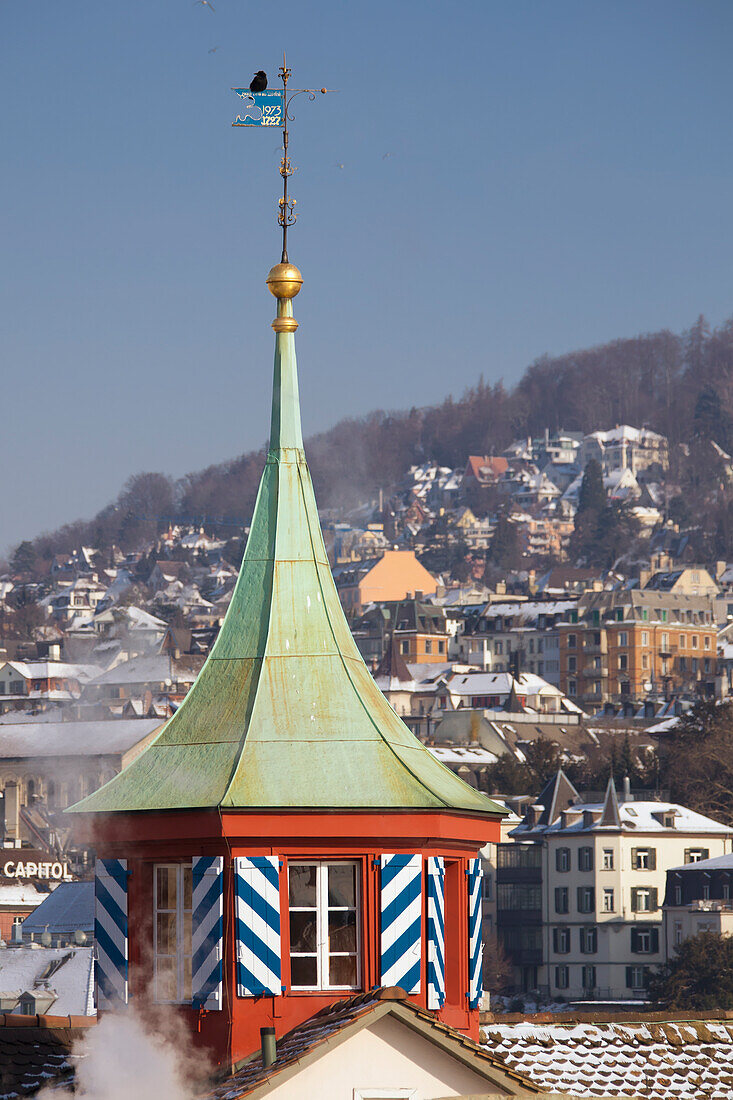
{"x":637,"y":449}
{"x":26,"y":685}
{"x":417,"y":629}
{"x":159,"y":679}
{"x":167,"y":572}
{"x":395,"y":576}
{"x":690,"y":580}
{"x":484,"y":470}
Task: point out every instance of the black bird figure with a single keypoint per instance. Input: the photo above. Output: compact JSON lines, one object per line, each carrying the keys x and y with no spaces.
{"x":259,"y":83}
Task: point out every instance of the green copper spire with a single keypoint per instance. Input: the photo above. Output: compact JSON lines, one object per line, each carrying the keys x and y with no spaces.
{"x":284,"y":713}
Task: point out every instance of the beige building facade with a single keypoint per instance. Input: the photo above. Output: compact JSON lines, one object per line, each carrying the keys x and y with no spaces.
{"x":593,"y":895}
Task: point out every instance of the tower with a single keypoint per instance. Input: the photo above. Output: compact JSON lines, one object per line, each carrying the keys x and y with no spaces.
{"x":286,"y":841}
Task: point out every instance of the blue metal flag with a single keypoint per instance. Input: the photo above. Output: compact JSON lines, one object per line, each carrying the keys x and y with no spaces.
{"x":260,"y":108}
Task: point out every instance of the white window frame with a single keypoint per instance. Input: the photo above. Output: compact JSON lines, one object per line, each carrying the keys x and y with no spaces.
{"x":385,"y":1094}
{"x":644,"y":941}
{"x":322,"y":909}
{"x":181,"y":955}
{"x":642,"y":859}
{"x":643,"y":899}
{"x":608,"y":859}
{"x":609,"y":900}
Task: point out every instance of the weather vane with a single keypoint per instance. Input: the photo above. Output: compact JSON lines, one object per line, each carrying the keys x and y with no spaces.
{"x":263,"y":107}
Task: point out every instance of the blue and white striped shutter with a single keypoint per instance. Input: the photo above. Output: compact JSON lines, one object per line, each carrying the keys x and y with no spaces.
{"x":436,"y":932}
{"x":257,"y":883}
{"x":475,"y":939}
{"x":401,"y":903}
{"x":110,"y":932}
{"x":207,"y":929}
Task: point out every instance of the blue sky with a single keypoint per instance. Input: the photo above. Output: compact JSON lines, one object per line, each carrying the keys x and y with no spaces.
{"x":560,"y":175}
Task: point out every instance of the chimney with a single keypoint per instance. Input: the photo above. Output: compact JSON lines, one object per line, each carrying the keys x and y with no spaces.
{"x":12,"y":814}
{"x":269,"y":1046}
{"x":627,"y":790}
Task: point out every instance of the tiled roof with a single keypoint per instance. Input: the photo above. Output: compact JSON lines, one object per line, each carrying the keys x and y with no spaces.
{"x":690,"y":1060}
{"x":305,"y":1038}
{"x":35,"y":1051}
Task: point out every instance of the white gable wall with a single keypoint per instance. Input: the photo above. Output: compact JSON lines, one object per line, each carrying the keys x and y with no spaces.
{"x":385,"y":1055}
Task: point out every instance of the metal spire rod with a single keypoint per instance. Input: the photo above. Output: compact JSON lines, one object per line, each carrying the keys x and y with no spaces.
{"x":286,"y":215}
{"x":260,"y":110}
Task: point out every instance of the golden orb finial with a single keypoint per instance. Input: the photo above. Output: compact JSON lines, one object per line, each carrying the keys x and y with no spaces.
{"x":284,"y":280}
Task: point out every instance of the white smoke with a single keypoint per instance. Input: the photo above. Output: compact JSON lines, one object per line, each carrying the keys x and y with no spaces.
{"x":130,"y":1055}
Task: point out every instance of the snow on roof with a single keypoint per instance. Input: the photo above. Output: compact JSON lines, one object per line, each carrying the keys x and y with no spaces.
{"x":457,"y":755}
{"x":499,"y":683}
{"x":21,"y":970}
{"x":688,"y":1060}
{"x":717,"y":863}
{"x":18,"y":892}
{"x":30,"y":739}
{"x":639,"y":817}
{"x":43,"y":669}
{"x":138,"y":670}
{"x":624,"y":433}
{"x":667,"y":724}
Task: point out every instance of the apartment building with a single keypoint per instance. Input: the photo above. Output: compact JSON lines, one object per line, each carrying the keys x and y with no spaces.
{"x":627,"y":644}
{"x":626,"y":448}
{"x":579,"y":889}
{"x":520,"y":636}
{"x":698,"y":898}
{"x":417,"y":629}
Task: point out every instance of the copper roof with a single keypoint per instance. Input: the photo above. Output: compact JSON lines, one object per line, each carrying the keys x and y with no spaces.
{"x":284,"y":714}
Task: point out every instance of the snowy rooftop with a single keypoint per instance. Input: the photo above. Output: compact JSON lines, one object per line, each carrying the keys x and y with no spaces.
{"x":638,"y":817}
{"x":114,"y":736}
{"x":65,"y":972}
{"x":690,"y":1060}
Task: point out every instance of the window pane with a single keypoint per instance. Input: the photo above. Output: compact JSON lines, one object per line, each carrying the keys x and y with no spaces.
{"x":166,"y":932}
{"x":187,"y":886}
{"x":341,"y":930}
{"x":165,"y":979}
{"x":302,"y":885}
{"x":303,"y":970}
{"x":342,"y":885}
{"x":186,"y":933}
{"x":303,"y":931}
{"x":342,"y":970}
{"x":166,"y":888}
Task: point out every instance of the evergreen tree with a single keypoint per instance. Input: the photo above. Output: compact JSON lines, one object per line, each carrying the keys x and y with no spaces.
{"x":592,"y":496}
{"x":24,"y":558}
{"x":699,"y":978}
{"x":504,"y":549}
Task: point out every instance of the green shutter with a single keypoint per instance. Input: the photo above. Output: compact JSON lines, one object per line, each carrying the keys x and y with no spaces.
{"x":655,"y":939}
{"x":634,"y":940}
{"x":633,"y":858}
{"x":629,"y":977}
{"x":634,"y":900}
{"x":654,"y":899}
{"x":687,"y":855}
{"x":652,"y":859}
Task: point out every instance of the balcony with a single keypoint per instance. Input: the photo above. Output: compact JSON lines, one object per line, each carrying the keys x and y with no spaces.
{"x":595,"y":650}
{"x":594,"y":673}
{"x":592,"y":696}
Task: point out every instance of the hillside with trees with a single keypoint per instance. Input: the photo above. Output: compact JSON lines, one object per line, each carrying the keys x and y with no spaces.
{"x":679,"y":385}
